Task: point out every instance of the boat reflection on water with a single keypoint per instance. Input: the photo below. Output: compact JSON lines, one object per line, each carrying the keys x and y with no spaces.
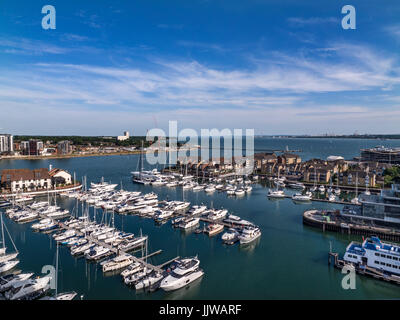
{"x":188,"y":292}
{"x":249,"y":247}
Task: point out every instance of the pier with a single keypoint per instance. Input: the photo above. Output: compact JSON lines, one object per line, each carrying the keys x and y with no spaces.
{"x":324,"y":200}
{"x":344,"y":225}
{"x":119,"y":252}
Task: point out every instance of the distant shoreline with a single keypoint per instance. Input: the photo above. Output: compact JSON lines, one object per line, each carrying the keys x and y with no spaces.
{"x":68,"y":156}
{"x":333,"y":137}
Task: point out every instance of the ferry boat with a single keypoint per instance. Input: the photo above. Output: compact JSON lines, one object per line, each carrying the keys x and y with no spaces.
{"x":186,"y":271}
{"x":249,"y":234}
{"x":374,"y":253}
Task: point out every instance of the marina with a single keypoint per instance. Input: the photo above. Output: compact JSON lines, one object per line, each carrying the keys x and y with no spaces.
{"x":273,"y":217}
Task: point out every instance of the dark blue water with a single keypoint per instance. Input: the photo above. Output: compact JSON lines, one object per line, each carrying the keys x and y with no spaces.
{"x":289,"y":261}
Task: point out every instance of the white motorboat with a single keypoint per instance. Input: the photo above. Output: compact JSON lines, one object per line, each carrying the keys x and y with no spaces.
{"x":337,"y":191}
{"x":131,"y":269}
{"x":230,"y":235}
{"x":189,"y":223}
{"x":7,"y":257}
{"x":10,"y":280}
{"x":321,"y":189}
{"x":65,"y":235}
{"x":210,"y":189}
{"x":217,"y":214}
{"x":148,"y":281}
{"x":302,"y":197}
{"x":214,"y":228}
{"x":196,"y":210}
{"x":198,"y":187}
{"x":136,"y":277}
{"x":132,"y":244}
{"x":332,"y":197}
{"x":248,"y":189}
{"x":249,"y":234}
{"x":41,"y":223}
{"x":96,"y":253}
{"x":297,"y":186}
{"x":30,"y":289}
{"x":276,"y":194}
{"x":117,"y":263}
{"x":8,"y":265}
{"x":186,"y":271}
{"x":239,"y":192}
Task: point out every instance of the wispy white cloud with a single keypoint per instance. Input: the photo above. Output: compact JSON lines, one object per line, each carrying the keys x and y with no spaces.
{"x":300,"y":21}
{"x":268,"y":90}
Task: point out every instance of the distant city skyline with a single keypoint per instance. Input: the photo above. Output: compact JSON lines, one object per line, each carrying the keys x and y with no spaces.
{"x":278,"y":67}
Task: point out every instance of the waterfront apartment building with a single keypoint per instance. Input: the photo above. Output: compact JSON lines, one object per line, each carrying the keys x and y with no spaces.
{"x":15,"y":180}
{"x":381,"y":154}
{"x":64,"y":147}
{"x":383,"y":208}
{"x":6,"y":143}
{"x":32,"y":147}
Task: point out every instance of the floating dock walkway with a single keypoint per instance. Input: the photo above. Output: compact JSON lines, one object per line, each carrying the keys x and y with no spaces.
{"x":119,"y":252}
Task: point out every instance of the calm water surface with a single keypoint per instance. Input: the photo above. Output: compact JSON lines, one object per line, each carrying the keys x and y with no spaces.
{"x":289,"y":261}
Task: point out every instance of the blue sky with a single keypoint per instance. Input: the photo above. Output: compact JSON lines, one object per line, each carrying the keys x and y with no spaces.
{"x":280,"y":67}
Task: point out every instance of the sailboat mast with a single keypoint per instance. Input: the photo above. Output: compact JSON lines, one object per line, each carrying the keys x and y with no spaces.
{"x":2,"y":230}
{"x":57,"y":270}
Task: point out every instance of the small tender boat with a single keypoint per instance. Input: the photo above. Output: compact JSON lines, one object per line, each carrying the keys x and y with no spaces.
{"x":214,"y":228}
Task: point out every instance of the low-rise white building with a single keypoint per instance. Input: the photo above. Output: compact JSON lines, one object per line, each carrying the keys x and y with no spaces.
{"x":60,"y":177}
{"x":16,"y":180}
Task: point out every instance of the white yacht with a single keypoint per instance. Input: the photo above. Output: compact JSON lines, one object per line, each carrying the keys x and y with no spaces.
{"x":117,"y":263}
{"x":321,"y":189}
{"x":96,"y":253}
{"x":302,"y":197}
{"x":217,"y":214}
{"x":131,"y":269}
{"x":239,"y":192}
{"x":249,"y":234}
{"x":149,"y":281}
{"x":230,"y":235}
{"x":31,"y":288}
{"x":8,"y":265}
{"x":332,"y":197}
{"x":276,"y":194}
{"x":297,"y":185}
{"x":189,"y":223}
{"x":195,"y":210}
{"x":186,"y":271}
{"x":9,"y":280}
{"x":210,"y":189}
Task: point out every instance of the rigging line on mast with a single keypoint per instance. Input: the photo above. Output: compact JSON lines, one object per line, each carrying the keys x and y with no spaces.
{"x":9,"y":236}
